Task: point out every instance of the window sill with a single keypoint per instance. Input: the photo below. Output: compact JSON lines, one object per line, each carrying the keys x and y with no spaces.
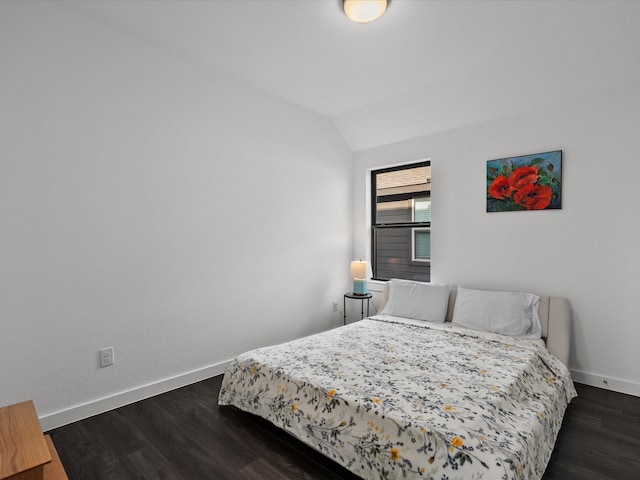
{"x":376,"y":285}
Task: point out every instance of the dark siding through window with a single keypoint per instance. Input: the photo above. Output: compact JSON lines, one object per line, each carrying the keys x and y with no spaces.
{"x":400,"y":230}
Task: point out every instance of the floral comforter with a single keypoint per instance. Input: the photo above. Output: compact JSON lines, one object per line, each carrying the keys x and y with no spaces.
{"x":394,"y":398}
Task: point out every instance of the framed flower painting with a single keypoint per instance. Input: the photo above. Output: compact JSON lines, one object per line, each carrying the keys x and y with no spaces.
{"x":528,"y":182}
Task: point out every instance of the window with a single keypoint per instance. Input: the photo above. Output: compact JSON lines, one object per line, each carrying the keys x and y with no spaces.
{"x":421,"y":237}
{"x":421,"y":245}
{"x":401,"y":222}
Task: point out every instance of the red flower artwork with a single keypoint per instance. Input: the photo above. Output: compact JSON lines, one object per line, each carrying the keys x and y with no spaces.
{"x":529,"y":182}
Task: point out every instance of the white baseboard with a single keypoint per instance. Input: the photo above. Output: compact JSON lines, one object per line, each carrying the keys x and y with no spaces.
{"x":608,"y":383}
{"x":101,"y":405}
{"x":89,"y":409}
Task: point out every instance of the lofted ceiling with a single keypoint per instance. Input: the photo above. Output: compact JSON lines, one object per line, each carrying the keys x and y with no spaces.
{"x":425,"y":66}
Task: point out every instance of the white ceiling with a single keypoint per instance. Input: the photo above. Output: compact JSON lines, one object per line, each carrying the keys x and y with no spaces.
{"x":425,"y":66}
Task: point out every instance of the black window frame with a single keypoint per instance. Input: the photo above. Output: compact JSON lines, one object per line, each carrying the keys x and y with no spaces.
{"x":391,"y":198}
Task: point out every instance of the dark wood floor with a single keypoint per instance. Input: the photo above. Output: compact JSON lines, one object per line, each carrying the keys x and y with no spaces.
{"x":185,"y":435}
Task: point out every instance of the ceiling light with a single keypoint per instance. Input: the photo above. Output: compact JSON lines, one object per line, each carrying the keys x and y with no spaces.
{"x":364,"y":11}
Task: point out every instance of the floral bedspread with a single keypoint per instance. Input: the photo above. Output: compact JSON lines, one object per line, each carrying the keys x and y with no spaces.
{"x":394,"y":398}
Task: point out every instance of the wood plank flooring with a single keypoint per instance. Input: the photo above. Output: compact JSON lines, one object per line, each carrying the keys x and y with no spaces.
{"x":185,"y":435}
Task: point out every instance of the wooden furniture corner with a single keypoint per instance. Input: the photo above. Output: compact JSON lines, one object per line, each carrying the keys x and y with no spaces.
{"x":25,"y":453}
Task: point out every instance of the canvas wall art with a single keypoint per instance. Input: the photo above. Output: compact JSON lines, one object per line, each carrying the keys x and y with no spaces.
{"x":527,"y":182}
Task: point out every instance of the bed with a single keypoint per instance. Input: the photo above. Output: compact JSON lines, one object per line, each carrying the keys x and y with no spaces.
{"x":424,"y":389}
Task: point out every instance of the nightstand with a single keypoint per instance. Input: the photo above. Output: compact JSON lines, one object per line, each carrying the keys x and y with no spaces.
{"x":355,"y":296}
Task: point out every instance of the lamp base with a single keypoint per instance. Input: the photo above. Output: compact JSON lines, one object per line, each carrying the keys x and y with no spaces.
{"x":359,"y":286}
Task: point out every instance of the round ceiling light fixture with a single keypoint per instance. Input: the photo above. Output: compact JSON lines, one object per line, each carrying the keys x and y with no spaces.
{"x":364,"y":11}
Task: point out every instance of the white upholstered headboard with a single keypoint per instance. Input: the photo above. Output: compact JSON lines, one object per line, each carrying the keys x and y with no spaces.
{"x":555,"y":318}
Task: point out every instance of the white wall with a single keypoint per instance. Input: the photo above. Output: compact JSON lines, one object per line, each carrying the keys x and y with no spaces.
{"x":155,"y":207}
{"x":587,"y":251}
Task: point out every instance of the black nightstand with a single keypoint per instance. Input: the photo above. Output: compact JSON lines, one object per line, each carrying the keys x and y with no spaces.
{"x":355,"y":296}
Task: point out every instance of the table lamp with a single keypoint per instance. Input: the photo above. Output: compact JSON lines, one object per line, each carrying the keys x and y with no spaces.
{"x":360,"y":272}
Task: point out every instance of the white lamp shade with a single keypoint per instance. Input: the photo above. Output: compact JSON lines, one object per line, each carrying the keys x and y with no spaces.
{"x":360,"y":269}
{"x":364,"y":11}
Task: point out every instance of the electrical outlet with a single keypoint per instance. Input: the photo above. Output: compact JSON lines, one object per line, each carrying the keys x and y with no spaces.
{"x":335,"y":306}
{"x":106,"y":357}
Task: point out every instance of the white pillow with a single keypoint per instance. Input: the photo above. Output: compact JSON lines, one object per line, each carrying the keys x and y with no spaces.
{"x":417,"y":300}
{"x":508,"y":313}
